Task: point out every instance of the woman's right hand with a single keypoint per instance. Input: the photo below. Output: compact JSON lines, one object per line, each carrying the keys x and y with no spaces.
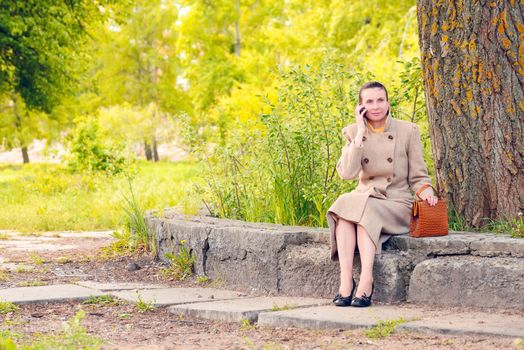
{"x":360,"y":110}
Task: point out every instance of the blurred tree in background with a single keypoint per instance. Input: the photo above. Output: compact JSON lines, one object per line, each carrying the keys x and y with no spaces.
{"x":256,"y":89}
{"x":41,"y":56}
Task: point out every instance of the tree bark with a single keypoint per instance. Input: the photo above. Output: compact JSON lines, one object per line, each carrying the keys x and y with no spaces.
{"x":237,"y":30}
{"x":155,"y":150}
{"x":473,"y":66}
{"x":25,"y":155}
{"x":147,"y":150}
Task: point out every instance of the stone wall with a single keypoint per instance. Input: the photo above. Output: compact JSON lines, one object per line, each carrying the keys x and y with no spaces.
{"x":462,"y":269}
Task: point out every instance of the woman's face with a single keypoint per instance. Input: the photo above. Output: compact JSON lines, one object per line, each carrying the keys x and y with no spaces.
{"x":376,"y":103}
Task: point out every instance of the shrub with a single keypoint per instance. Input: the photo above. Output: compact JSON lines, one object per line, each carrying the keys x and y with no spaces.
{"x":91,"y":153}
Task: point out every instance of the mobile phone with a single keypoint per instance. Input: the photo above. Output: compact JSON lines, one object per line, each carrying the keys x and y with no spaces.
{"x":365,"y":114}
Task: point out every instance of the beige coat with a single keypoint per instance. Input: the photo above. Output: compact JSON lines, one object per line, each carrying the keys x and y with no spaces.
{"x":388,"y":165}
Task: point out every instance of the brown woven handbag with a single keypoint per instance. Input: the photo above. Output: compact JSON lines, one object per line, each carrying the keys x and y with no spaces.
{"x":428,"y":221}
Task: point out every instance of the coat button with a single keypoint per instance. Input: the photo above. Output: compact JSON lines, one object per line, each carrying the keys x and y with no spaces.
{"x":363,"y":138}
{"x":389,"y":179}
{"x":390,"y":160}
{"x":390,"y":137}
{"x":366,"y":160}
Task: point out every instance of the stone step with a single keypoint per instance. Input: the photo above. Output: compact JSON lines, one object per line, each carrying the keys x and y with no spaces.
{"x":294,"y":261}
{"x":43,"y":294}
{"x":408,"y":318}
{"x":469,"y":281}
{"x":173,"y":296}
{"x":242,"y":309}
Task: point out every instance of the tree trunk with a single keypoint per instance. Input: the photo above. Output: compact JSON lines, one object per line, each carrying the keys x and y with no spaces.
{"x":237,"y":30}
{"x":148,"y":152}
{"x":155,"y":150}
{"x":25,"y":155}
{"x":473,"y":65}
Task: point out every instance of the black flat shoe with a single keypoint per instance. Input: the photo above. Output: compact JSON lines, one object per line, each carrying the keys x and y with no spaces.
{"x":339,"y":300}
{"x":364,"y":300}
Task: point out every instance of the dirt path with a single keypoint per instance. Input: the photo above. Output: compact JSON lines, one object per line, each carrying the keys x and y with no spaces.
{"x":69,"y":257}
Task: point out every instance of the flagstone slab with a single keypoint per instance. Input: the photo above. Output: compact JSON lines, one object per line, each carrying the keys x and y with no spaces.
{"x":410,"y":319}
{"x":15,"y":267}
{"x":43,"y":294}
{"x":471,"y":323}
{"x":243,"y":309}
{"x":173,"y":296}
{"x":117,"y":286}
{"x":332,"y":317}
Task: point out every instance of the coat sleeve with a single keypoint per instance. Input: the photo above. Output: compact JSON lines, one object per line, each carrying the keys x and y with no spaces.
{"x":349,"y":164}
{"x":417,"y":172}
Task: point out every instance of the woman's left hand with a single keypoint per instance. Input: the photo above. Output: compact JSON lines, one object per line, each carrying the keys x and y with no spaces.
{"x":432,"y":200}
{"x":428,"y":196}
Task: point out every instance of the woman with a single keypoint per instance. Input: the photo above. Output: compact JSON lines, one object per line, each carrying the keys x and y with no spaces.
{"x":386,"y":156}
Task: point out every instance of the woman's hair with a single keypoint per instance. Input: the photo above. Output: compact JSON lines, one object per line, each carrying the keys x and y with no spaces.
{"x":371,"y":85}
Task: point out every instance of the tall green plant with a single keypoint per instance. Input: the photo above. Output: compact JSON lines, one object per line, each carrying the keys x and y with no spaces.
{"x":91,"y":153}
{"x":282,"y":169}
{"x":135,"y":222}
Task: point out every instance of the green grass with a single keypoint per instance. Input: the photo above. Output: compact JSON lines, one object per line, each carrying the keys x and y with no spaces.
{"x":143,"y":305}
{"x":101,"y":300}
{"x":32,"y":284}
{"x":47,"y":197}
{"x":73,"y":336}
{"x":181,"y":263}
{"x":7,"y":307}
{"x":282,"y":308}
{"x":383,"y":329}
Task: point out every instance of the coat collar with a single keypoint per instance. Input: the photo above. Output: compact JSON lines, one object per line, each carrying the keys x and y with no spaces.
{"x":389,"y":124}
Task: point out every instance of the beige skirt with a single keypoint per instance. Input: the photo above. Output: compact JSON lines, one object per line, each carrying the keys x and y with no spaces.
{"x":381,"y":218}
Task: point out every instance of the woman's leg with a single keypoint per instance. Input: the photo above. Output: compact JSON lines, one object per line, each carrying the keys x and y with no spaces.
{"x":346,"y":240}
{"x":367,"y":249}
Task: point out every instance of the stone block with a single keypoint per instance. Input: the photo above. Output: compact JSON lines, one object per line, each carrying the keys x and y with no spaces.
{"x":469,"y":323}
{"x":245,"y":257}
{"x":242,"y":309}
{"x":332,"y":317}
{"x":307,"y":270}
{"x":498,"y":245}
{"x":173,"y":296}
{"x":469,"y":281}
{"x":47,"y":294}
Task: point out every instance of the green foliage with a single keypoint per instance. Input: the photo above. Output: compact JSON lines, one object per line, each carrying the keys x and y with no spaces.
{"x":41,"y":45}
{"x":90,"y":153}
{"x":514,"y":227}
{"x":135,"y":222}
{"x":282,"y":308}
{"x":144,"y":306}
{"x":383,"y":329}
{"x":36,"y":259}
{"x":122,"y":245}
{"x":181,"y":263}
{"x":282,"y":168}
{"x":48,"y":197}
{"x":101,"y":300}
{"x":247,"y":325}
{"x":7,"y":341}
{"x":32,"y":284}
{"x":4,"y":276}
{"x":72,"y":337}
{"x":202,"y":279}
{"x":7,"y":307}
